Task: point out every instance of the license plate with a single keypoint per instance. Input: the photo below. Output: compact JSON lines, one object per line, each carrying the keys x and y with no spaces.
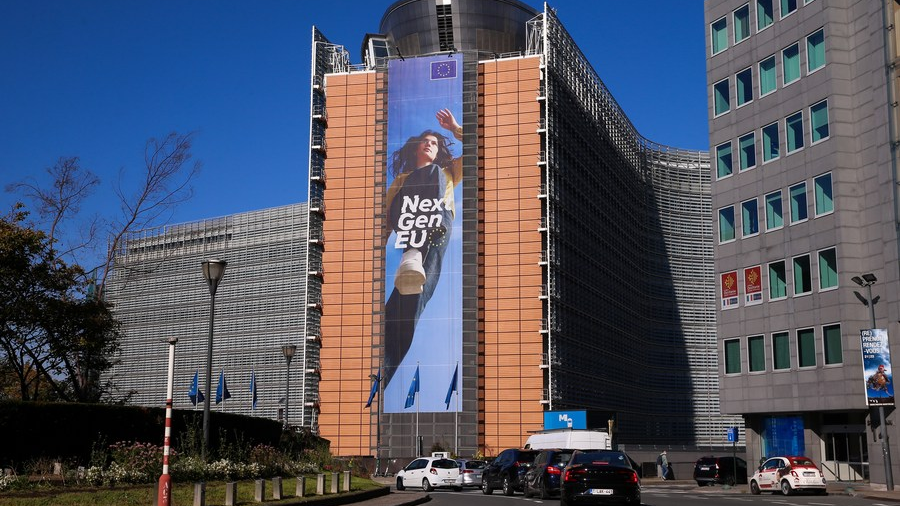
{"x":808,"y":473}
{"x":600,"y":491}
{"x":449,"y":481}
{"x":704,"y":468}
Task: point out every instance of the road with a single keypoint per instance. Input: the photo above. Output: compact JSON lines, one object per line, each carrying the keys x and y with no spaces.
{"x":663,"y":495}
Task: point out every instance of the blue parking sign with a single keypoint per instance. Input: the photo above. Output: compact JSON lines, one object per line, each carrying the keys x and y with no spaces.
{"x":732,"y":434}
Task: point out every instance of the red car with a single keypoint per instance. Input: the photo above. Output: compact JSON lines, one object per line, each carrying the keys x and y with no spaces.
{"x":787,"y":475}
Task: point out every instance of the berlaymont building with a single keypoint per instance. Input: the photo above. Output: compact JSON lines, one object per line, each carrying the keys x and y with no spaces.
{"x":501,"y":250}
{"x":804,"y":133}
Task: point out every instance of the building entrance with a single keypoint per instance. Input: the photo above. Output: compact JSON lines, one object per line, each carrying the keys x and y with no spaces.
{"x":846,"y":453}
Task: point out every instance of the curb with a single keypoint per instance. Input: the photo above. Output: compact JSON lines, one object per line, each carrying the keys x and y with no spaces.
{"x":341,"y":499}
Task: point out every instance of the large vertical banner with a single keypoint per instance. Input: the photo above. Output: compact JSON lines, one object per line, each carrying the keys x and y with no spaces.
{"x":729,"y":288}
{"x":753,"y":285}
{"x":423,"y":234}
{"x":876,"y":355}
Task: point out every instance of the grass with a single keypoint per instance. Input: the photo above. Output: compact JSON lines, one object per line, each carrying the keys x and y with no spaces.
{"x":182,"y":494}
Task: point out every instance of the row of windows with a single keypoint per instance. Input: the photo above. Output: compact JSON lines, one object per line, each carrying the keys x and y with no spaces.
{"x":779,"y":350}
{"x":776,"y":284}
{"x":823,"y":204}
{"x":740,"y":21}
{"x":766,"y":71}
{"x":770,"y":141}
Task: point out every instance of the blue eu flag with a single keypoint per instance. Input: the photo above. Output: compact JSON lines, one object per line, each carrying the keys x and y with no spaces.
{"x":413,"y":390}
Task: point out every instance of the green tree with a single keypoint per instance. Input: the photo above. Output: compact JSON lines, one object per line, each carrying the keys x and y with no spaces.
{"x":54,"y":340}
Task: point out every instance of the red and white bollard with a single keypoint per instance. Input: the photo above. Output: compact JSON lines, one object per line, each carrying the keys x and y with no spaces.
{"x":164,"y":497}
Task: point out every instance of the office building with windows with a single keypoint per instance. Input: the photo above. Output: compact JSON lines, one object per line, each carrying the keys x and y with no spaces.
{"x":157,"y":291}
{"x":498,"y":242}
{"x":803,"y":136}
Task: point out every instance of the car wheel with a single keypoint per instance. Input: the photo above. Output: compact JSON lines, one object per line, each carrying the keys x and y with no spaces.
{"x":527,"y":491}
{"x":729,"y":481}
{"x":786,"y":488}
{"x":400,"y":486}
{"x":426,"y":485}
{"x":486,"y":488}
{"x":754,"y":488}
{"x":507,"y":486}
{"x":545,"y":494}
{"x":699,"y":483}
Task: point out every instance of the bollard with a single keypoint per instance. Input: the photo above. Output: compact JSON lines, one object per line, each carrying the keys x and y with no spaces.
{"x":260,"y":493}
{"x":346,"y":481}
{"x":277,"y":491}
{"x":200,"y":494}
{"x":320,"y":484}
{"x":301,"y":486}
{"x":231,"y":493}
{"x":334,"y":483}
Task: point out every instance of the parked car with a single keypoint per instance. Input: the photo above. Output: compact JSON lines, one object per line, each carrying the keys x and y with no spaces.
{"x":430,"y":473}
{"x":507,"y":471}
{"x":542,"y":478}
{"x":721,"y":470}
{"x":471,"y":470}
{"x":787,"y":475}
{"x":594,"y":477}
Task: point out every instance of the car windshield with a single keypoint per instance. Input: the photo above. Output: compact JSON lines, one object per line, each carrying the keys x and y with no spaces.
{"x":476,"y":464}
{"x":600,"y":458}
{"x":445,"y":464}
{"x":802,"y":462}
{"x":526,"y":456}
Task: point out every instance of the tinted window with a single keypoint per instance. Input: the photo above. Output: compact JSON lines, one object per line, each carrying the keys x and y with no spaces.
{"x":803,"y":462}
{"x":707,"y":461}
{"x":608,"y":458}
{"x":560,"y":458}
{"x":475,"y":464}
{"x":417,"y":464}
{"x":526,"y":456}
{"x":445,"y":464}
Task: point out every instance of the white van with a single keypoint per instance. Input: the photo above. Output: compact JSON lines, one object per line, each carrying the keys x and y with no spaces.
{"x":569,"y":439}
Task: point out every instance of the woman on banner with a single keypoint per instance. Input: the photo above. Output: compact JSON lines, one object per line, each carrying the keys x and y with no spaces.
{"x":420,"y":210}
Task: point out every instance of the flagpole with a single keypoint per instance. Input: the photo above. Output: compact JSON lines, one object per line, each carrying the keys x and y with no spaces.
{"x":456,"y":415}
{"x":418,"y":387}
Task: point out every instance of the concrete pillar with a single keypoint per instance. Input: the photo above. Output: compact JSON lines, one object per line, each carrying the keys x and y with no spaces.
{"x":334,"y":483}
{"x":259,"y":495}
{"x":200,"y":494}
{"x":277,"y":491}
{"x":230,"y":493}
{"x":346,"y":481}
{"x":301,"y":486}
{"x":320,"y":484}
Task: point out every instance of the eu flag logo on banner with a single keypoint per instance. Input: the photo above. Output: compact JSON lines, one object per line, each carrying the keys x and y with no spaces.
{"x":443,"y":69}
{"x":413,"y":391}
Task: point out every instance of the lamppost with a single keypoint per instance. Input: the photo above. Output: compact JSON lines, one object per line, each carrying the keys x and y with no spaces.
{"x":288,"y":350}
{"x":867,"y":280}
{"x":213,"y":271}
{"x":375,"y":377}
{"x":164,"y":495}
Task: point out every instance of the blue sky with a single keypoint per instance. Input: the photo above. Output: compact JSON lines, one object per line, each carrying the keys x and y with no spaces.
{"x":96,"y":79}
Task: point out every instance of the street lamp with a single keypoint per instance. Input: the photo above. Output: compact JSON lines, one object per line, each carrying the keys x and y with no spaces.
{"x":288,"y":350}
{"x":213,"y":271}
{"x":867,"y":280}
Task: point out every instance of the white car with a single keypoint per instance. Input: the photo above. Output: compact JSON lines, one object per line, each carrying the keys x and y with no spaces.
{"x":430,"y":473}
{"x":787,"y":475}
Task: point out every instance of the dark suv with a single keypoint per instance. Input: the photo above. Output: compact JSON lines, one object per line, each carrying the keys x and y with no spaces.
{"x":507,"y":471}
{"x":542,"y":478}
{"x":722,"y":470}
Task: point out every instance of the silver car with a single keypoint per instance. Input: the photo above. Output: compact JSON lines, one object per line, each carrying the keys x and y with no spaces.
{"x":471,"y":470}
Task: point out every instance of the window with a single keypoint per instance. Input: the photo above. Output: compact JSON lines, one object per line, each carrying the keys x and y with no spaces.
{"x":723,"y":160}
{"x":719,"y":35}
{"x":798,"y":203}
{"x":815,"y":51}
{"x":741,"y":23}
{"x":749,"y":218}
{"x":831,"y":335}
{"x":770,"y":146}
{"x":726,"y":224}
{"x":744,"y":83}
{"x":787,"y":7}
{"x":756,"y":345}
{"x":828,"y":276}
{"x":802,"y":275}
{"x":818,"y":121}
{"x":721,"y":97}
{"x":732,"y":356}
{"x":774,"y":211}
{"x":824,"y":200}
{"x":793,"y":129}
{"x":777,"y":281}
{"x":767,"y":77}
{"x":806,"y":348}
{"x":747,"y":146}
{"x":781,"y":351}
{"x":765,"y":14}
{"x":790,"y":61}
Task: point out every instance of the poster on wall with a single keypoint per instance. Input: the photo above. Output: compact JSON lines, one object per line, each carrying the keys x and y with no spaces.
{"x":729,"y":290}
{"x":876,"y":355}
{"x":752,"y":285}
{"x":423,"y":235}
